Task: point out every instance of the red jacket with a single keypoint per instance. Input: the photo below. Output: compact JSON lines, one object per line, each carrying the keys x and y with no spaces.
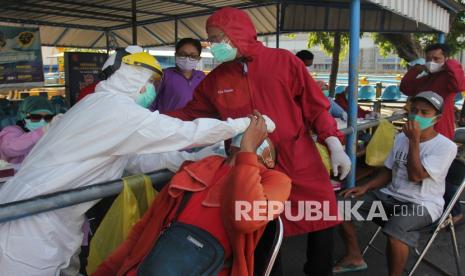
{"x":87,"y":91}
{"x":342,"y":102}
{"x":247,"y":181}
{"x":277,"y":84}
{"x":446,"y":83}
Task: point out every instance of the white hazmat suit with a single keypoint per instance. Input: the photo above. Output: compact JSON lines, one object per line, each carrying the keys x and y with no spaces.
{"x":92,"y":143}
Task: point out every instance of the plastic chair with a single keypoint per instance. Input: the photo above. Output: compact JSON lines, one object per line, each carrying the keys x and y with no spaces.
{"x":455,"y":176}
{"x":367,"y":93}
{"x":391,"y":93}
{"x":340,"y":89}
{"x":273,"y":231}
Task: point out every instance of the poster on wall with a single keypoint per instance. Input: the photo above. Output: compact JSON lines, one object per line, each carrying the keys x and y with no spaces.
{"x":20,"y":57}
{"x":81,"y":70}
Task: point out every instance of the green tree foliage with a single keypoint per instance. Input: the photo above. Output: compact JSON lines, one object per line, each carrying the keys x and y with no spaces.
{"x":326,"y":42}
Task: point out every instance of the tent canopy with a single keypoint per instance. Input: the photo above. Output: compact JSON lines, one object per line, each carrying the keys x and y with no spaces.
{"x":91,"y":23}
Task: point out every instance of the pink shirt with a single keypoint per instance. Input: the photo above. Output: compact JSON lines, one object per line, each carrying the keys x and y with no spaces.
{"x":15,"y":143}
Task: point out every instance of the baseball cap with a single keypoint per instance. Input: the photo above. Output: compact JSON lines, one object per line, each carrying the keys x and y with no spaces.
{"x":431,"y":97}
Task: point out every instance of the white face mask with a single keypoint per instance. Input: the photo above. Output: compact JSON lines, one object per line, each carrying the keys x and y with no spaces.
{"x":186,"y":63}
{"x":433,"y":67}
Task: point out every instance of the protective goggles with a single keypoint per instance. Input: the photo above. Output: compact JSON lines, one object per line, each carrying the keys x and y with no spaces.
{"x":38,"y":117}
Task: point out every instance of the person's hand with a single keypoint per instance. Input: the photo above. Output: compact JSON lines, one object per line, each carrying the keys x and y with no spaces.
{"x":354,"y":192}
{"x":420,"y":67}
{"x":254,"y":134}
{"x":412,"y":130}
{"x":340,"y":162}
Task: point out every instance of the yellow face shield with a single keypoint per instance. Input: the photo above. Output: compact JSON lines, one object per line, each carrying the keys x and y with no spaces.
{"x":145,"y":60}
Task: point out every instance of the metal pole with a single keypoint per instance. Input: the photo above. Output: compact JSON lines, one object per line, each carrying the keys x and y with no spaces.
{"x":44,"y":203}
{"x":134,"y":22}
{"x":278,"y":17}
{"x":353,"y":87}
{"x":175,"y":30}
{"x":107,"y":36}
{"x":442,"y":38}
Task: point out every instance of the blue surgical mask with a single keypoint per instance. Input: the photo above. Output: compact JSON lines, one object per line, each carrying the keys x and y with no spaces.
{"x":223,"y":51}
{"x":326,"y":92}
{"x":146,"y":99}
{"x":422,"y":121}
{"x":34,"y":125}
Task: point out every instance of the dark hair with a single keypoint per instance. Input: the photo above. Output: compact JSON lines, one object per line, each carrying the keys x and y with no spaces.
{"x":304,"y":55}
{"x":436,"y":46}
{"x":194,"y":42}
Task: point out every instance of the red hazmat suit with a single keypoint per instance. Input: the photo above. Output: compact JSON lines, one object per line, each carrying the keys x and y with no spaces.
{"x":277,"y":84}
{"x":446,"y":83}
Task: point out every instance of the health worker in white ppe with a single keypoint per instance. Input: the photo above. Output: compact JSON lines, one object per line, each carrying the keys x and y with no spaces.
{"x":94,"y":142}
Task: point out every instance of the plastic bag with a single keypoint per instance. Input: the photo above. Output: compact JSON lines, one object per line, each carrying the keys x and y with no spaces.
{"x":126,"y":210}
{"x":324,"y":154}
{"x":380,"y":144}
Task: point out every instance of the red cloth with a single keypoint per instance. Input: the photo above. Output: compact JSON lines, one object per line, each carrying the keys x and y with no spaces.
{"x":446,"y":83}
{"x":86,"y":91}
{"x":277,"y":84}
{"x":342,"y":102}
{"x":207,"y":218}
{"x":247,"y":180}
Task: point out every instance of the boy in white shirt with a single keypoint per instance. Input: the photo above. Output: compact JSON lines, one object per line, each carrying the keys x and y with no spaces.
{"x":415,"y":173}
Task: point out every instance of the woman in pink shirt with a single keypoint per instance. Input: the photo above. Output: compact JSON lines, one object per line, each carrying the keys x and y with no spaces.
{"x":16,"y":141}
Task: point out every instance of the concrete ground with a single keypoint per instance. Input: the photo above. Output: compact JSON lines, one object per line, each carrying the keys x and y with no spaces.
{"x":293,"y":253}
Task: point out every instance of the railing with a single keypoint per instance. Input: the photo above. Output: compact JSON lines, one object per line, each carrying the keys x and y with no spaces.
{"x":18,"y":209}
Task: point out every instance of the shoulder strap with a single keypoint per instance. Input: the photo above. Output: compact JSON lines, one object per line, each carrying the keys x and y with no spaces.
{"x":185,"y":198}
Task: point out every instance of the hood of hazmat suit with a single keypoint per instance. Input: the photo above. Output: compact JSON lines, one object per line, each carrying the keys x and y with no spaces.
{"x":92,"y":143}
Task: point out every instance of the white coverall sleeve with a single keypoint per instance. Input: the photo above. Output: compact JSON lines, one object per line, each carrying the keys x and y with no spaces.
{"x":145,"y":163}
{"x":160,"y":133}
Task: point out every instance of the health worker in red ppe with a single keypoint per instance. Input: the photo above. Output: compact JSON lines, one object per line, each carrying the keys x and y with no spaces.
{"x":276,"y":83}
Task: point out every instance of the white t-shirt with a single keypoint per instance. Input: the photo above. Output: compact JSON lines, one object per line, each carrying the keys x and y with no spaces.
{"x":436,"y":156}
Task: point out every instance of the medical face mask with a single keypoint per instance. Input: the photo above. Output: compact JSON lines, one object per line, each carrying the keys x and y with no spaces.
{"x":146,"y":99}
{"x":223,"y":52}
{"x":236,"y":142}
{"x":433,"y":67}
{"x":186,"y":63}
{"x":326,"y":92}
{"x":422,"y":121}
{"x":34,"y":125}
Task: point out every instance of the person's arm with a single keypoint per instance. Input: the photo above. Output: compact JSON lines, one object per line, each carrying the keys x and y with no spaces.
{"x":200,"y":106}
{"x":157,"y":133}
{"x":409,"y":83}
{"x":416,"y":171}
{"x":314,"y":104}
{"x":251,"y":185}
{"x":456,"y":80}
{"x":383,"y":177}
{"x":17,"y":142}
{"x":145,"y":163}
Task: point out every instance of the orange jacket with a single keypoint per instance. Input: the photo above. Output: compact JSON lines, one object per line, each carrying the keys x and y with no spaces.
{"x":247,"y":180}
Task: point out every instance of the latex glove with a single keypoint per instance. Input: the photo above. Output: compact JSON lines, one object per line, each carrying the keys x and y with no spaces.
{"x":340,"y":162}
{"x":242,"y":124}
